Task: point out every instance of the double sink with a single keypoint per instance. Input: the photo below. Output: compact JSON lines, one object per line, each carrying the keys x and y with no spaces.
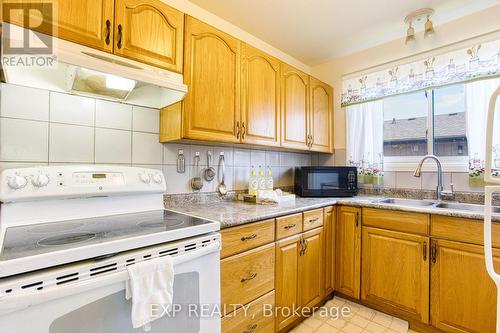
{"x":434,"y":204}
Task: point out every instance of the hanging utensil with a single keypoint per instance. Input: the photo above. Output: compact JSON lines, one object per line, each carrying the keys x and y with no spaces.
{"x":209,"y":171}
{"x":222,"y":189}
{"x":196,"y":181}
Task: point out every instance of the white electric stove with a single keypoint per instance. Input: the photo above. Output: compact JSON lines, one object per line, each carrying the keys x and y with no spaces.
{"x":67,"y":234}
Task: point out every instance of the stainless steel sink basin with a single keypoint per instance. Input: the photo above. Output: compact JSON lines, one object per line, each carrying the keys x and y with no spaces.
{"x":407,"y":202}
{"x":466,"y":207}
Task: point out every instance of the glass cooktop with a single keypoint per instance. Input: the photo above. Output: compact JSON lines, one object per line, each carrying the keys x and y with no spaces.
{"x":35,"y":239}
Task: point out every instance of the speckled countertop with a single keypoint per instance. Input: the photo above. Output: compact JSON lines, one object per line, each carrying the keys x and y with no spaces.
{"x":232,"y":213}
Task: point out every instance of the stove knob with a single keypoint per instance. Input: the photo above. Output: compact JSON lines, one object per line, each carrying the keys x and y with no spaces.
{"x":40,"y":181}
{"x":17,"y":182}
{"x":157,"y":178}
{"x":145,"y":178}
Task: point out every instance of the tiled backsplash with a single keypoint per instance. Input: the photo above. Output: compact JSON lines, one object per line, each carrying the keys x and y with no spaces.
{"x":38,"y":127}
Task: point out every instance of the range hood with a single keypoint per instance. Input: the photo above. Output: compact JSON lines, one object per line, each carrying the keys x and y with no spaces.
{"x":85,"y":71}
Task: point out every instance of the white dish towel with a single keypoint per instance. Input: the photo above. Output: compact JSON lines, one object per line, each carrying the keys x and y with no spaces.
{"x":150,"y":282}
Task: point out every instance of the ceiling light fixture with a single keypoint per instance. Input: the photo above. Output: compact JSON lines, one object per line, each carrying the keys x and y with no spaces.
{"x":417,"y":17}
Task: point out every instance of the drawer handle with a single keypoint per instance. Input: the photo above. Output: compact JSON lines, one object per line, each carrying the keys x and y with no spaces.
{"x":314,"y":220}
{"x":245,"y":238}
{"x":120,"y":33}
{"x":424,"y":250}
{"x":108,"y":32}
{"x":251,"y":277}
{"x":252,"y":329}
{"x":289,"y":226}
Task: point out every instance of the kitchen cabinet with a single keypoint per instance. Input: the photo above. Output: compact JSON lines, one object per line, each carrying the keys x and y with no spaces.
{"x":320,"y":116}
{"x":212,"y":72}
{"x":294,"y":108}
{"x":260,"y":95}
{"x":251,"y":319}
{"x":463,"y":296}
{"x":348,"y":251}
{"x":149,"y":31}
{"x":311,"y":268}
{"x":89,"y":23}
{"x":329,"y":250}
{"x":395,"y":272}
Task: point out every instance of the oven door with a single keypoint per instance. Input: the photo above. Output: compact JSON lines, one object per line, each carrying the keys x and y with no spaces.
{"x":98,"y":305}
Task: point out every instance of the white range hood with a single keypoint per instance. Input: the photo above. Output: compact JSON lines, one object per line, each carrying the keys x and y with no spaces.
{"x":85,"y":71}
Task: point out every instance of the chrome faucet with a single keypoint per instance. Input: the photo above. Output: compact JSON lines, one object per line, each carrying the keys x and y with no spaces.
{"x":440,"y":192}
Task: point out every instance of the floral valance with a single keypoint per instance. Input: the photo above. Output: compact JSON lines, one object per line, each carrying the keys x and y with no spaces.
{"x":476,"y":62}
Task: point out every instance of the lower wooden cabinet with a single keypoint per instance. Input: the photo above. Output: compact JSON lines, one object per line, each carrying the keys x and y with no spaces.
{"x":348,"y":251}
{"x":463,"y":296}
{"x":311,"y":268}
{"x":329,"y":250}
{"x":255,"y":318}
{"x":395,"y":272}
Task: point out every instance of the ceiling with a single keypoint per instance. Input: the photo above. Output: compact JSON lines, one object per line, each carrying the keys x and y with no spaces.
{"x":315,"y":31}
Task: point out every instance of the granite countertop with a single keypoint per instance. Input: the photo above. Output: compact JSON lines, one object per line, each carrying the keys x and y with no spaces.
{"x":232,"y":213}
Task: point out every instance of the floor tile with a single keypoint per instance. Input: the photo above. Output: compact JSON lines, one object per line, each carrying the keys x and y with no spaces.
{"x":325,"y":328}
{"x":351,"y":328}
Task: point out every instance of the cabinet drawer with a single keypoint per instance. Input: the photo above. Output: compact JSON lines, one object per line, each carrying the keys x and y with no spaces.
{"x":313,"y":219}
{"x":251,"y":320}
{"x":415,"y":223}
{"x":288,"y":225}
{"x":463,"y":230}
{"x":247,"y":276}
{"x":246,"y":237}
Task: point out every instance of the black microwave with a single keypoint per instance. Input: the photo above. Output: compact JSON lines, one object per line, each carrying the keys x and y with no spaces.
{"x":326,"y":181}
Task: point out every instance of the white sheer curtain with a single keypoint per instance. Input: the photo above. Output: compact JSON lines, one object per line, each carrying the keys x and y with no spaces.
{"x":477,"y":96}
{"x":365,"y":131}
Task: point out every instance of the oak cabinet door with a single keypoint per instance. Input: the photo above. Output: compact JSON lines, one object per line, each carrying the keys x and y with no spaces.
{"x":287,"y":280}
{"x":149,"y":31}
{"x":89,"y":22}
{"x":320,"y":116}
{"x":329,"y":250}
{"x":395,"y":272}
{"x":463,"y":296}
{"x":260,"y":94}
{"x":294,"y":108}
{"x":348,"y":251}
{"x":212,"y":73}
{"x":311,"y":268}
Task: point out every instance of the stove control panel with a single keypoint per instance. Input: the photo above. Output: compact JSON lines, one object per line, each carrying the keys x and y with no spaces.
{"x":41,"y":183}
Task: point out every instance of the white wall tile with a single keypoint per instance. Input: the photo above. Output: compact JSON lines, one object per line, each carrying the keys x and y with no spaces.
{"x":241,"y":157}
{"x":176,"y":182}
{"x":326,"y":159}
{"x":145,"y":120}
{"x":406,"y":180}
{"x":272,"y":158}
{"x":286,"y":176}
{"x":390,"y":179}
{"x":429,"y":181}
{"x":228,"y":155}
{"x":146,"y":149}
{"x":23,"y":140}
{"x":113,"y":146}
{"x":171,"y":152}
{"x":113,"y":115}
{"x":71,"y":143}
{"x":72,"y":109}
{"x":203,"y":150}
{"x":23,"y":102}
{"x":258,"y":157}
{"x":240,"y":179}
{"x":461,"y":183}
{"x":18,"y":165}
{"x":304,"y":159}
{"x":275,"y":172}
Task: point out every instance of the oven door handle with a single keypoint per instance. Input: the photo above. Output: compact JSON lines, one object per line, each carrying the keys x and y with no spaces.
{"x":17,"y":301}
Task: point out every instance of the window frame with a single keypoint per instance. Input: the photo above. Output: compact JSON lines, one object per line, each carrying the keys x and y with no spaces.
{"x":408,"y":163}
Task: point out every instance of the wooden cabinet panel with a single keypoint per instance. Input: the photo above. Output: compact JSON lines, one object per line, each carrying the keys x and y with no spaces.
{"x":294,"y":107}
{"x":288,"y":225}
{"x":149,"y":31}
{"x":395,"y":272}
{"x":348,"y":251}
{"x":260,"y":94}
{"x":463,"y":296}
{"x":415,"y":223}
{"x":329,"y":249}
{"x":463,"y":230}
{"x":247,"y":276}
{"x":287,"y":279}
{"x":212,"y":73}
{"x":253,"y":319}
{"x":313,"y":219}
{"x":311,"y":268}
{"x":88,"y":22}
{"x":320,"y":116}
{"x":246,"y":237}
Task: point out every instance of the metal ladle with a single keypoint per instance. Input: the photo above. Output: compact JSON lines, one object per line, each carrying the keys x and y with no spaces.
{"x":197,"y":182}
{"x":222,"y":189}
{"x":209,"y":171}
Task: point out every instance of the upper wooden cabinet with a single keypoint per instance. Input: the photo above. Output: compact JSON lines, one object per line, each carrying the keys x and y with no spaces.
{"x":260,"y":94}
{"x":149,"y":31}
{"x":463,"y":296}
{"x":395,"y":272}
{"x":320,"y":116}
{"x":212,"y":73}
{"x":294,"y":108}
{"x":348,"y":251}
{"x":89,"y":23}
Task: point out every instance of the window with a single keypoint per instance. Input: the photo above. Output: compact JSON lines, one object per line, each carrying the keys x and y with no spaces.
{"x":430,"y":122}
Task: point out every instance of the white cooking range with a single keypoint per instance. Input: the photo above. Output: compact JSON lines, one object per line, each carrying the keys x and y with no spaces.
{"x":68,"y":234}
